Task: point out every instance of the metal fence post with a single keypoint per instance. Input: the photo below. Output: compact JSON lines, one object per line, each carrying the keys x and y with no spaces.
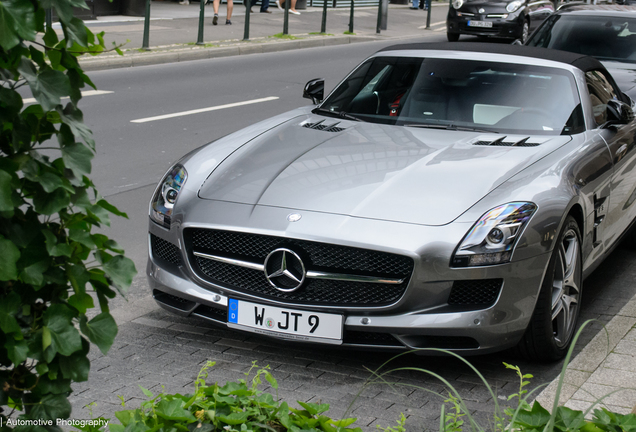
{"x":351,"y":18}
{"x":248,"y":11}
{"x":145,"y":43}
{"x":48,"y":17}
{"x":201,"y":20}
{"x":323,"y":27}
{"x":377,"y":28}
{"x":428,"y":14}
{"x":286,"y":20}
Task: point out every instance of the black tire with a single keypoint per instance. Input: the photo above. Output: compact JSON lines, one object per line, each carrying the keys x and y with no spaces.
{"x":553,"y":324}
{"x":452,"y":37}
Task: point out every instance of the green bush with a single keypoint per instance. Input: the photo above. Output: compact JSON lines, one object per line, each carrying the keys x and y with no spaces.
{"x":234,"y":407}
{"x":52,"y":266}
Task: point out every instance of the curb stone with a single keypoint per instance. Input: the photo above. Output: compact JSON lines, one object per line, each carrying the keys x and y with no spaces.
{"x":595,"y":365}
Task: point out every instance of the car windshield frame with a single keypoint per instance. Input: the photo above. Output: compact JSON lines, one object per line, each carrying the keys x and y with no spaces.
{"x":459,"y":94}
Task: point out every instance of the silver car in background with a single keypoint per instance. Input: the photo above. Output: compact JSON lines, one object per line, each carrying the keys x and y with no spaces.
{"x":442,"y":196}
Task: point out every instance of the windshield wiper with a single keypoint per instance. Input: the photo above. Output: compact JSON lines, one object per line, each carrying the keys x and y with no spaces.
{"x":337,"y":114}
{"x":450,"y":127}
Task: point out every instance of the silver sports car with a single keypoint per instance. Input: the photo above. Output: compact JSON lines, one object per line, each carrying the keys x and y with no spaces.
{"x":443,"y":195}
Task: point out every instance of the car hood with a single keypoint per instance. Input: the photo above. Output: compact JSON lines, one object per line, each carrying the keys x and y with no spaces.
{"x":625,"y":76}
{"x":403,"y":174}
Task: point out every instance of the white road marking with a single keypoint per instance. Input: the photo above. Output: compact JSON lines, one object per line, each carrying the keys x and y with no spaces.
{"x":197,"y":111}
{"x":84,"y":93}
{"x":433,"y":24}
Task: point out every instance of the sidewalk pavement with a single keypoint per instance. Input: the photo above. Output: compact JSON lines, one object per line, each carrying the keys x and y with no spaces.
{"x":173,"y":32}
{"x":607,"y":364}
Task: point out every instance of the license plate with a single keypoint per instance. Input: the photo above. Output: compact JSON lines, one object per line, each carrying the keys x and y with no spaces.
{"x":285,"y":323}
{"x":486,"y":24}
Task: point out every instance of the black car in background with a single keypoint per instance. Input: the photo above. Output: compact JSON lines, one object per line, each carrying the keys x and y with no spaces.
{"x":607,"y":32}
{"x":512,"y":19}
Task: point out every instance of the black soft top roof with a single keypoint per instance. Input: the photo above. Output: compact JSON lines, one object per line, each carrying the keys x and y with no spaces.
{"x":583,"y":62}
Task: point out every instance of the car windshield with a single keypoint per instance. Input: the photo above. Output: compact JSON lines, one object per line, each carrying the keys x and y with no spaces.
{"x":606,"y":38}
{"x":459,"y":94}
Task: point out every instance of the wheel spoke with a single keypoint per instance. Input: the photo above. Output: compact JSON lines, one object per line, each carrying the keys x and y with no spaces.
{"x":565,"y":288}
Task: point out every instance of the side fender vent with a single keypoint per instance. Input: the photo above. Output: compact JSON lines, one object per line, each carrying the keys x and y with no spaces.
{"x":323,"y":127}
{"x":500,"y":142}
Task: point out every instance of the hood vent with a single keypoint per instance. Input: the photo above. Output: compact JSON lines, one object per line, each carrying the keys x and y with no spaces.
{"x":500,"y":142}
{"x":327,"y":128}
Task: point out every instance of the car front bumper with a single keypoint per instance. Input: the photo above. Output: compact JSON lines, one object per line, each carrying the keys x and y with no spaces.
{"x":421,"y":318}
{"x":509,"y":28}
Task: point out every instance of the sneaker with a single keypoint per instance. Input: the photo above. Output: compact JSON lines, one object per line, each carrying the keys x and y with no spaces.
{"x":228,"y":22}
{"x":215,"y":20}
{"x":278,"y":5}
{"x":294,"y":12}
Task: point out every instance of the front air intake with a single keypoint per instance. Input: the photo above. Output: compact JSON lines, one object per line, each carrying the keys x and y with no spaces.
{"x":323,"y":127}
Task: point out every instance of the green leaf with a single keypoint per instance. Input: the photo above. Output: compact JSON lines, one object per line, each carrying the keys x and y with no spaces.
{"x":74,"y":119}
{"x":234,"y":418}
{"x":173,"y":410}
{"x":17,"y":351}
{"x":51,"y":203}
{"x":65,"y":339}
{"x":81,"y":302}
{"x":77,"y":157}
{"x":78,"y":277}
{"x":50,"y":407}
{"x":46,"y":338}
{"x":34,"y":274}
{"x":536,"y":418}
{"x":10,"y":255}
{"x":568,"y":419}
{"x":100,"y":330}
{"x":75,"y":367}
{"x":83,"y":237}
{"x":75,"y":31}
{"x":8,"y":324}
{"x":8,"y":36}
{"x":121,"y":271}
{"x":6,"y":191}
{"x":146,"y":392}
{"x":313,"y":408}
{"x":58,"y":386}
{"x":111,"y":208}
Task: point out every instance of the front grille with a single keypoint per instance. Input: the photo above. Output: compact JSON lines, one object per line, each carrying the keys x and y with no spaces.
{"x":174,"y":301}
{"x":165,"y":251}
{"x":211,"y":313}
{"x":316,"y":256}
{"x":483,"y":292}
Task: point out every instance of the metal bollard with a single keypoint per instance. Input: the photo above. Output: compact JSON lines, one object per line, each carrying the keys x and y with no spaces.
{"x":248,"y":11}
{"x":145,"y":43}
{"x":351,"y":18}
{"x":286,"y":20}
{"x":48,"y":17}
{"x":428,"y":14}
{"x":201,"y":21}
{"x":377,"y":28}
{"x":323,"y":27}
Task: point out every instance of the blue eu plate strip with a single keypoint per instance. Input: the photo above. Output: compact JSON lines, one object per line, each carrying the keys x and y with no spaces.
{"x":232,"y":311}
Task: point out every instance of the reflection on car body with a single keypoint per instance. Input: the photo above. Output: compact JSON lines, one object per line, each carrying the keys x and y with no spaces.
{"x":509,"y":19}
{"x":607,"y":32}
{"x":442,"y":196}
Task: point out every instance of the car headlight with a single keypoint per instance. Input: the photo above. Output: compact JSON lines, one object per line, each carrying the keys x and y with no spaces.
{"x":513,"y":6}
{"x":166,"y":195}
{"x":493,"y":238}
{"x":458,"y":3}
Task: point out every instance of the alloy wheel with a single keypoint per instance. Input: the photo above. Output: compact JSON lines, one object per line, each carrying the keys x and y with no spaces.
{"x":566,"y":289}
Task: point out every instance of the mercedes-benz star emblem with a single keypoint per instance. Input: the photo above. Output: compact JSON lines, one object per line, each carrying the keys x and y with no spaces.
{"x":293,"y":217}
{"x":284,"y":270}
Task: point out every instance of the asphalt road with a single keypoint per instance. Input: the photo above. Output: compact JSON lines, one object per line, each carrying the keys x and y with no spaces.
{"x":162,"y":348}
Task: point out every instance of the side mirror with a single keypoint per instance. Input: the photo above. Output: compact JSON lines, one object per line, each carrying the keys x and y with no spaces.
{"x":315,"y":90}
{"x":619,"y":112}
